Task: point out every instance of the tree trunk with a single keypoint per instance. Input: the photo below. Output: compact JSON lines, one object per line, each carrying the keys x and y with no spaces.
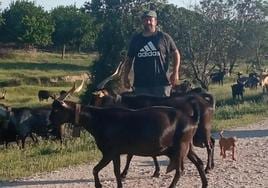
{"x":63,"y":51}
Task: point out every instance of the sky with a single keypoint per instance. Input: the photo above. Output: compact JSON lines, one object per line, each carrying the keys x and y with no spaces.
{"x":49,"y":4}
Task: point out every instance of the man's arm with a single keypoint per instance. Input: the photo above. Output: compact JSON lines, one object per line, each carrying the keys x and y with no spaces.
{"x":174,"y":77}
{"x":127,"y":68}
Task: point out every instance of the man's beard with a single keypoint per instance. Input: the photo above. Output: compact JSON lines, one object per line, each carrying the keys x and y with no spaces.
{"x":149,"y":28}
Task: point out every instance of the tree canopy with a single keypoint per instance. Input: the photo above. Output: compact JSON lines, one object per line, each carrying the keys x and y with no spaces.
{"x":26,"y":23}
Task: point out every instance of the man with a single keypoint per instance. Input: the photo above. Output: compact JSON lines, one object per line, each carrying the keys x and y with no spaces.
{"x":150,"y":51}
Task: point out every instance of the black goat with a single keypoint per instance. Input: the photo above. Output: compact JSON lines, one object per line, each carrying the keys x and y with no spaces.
{"x":252,"y":83}
{"x":202,"y":137}
{"x":19,"y":123}
{"x":217,"y":77}
{"x":44,"y":95}
{"x":264,"y":83}
{"x":238,"y":91}
{"x":151,"y":131}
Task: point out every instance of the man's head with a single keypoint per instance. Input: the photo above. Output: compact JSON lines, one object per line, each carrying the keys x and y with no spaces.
{"x":149,"y":13}
{"x":149,"y":20}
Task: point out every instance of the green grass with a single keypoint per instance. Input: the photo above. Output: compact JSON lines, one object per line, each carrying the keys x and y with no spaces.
{"x":20,"y":74}
{"x":46,"y":156}
{"x":23,"y":75}
{"x":231,"y":113}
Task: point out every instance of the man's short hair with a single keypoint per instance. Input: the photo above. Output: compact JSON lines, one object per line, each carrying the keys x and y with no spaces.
{"x":149,"y":13}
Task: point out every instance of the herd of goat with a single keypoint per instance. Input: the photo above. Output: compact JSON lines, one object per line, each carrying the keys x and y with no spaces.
{"x":252,"y":81}
{"x":128,"y":124}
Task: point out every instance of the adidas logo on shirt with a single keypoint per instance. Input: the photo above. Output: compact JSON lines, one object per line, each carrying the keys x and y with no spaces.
{"x":148,"y":50}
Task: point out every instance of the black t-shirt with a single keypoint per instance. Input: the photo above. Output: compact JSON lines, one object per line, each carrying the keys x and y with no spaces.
{"x":151,"y":55}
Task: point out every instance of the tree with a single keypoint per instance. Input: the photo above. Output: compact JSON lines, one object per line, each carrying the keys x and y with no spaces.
{"x":27,"y":24}
{"x":73,"y":27}
{"x":251,"y":18}
{"x":1,"y":18}
{"x":215,"y":35}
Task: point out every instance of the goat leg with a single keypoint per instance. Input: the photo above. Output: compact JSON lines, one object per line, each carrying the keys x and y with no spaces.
{"x":129,"y":157}
{"x":23,"y":142}
{"x":199,"y":165}
{"x":233,"y":154}
{"x":210,"y":152}
{"x":124,"y":173}
{"x":157,"y":168}
{"x":103,"y":162}
{"x":116,"y":163}
{"x":224,"y":153}
{"x":176,"y":178}
{"x":34,"y":138}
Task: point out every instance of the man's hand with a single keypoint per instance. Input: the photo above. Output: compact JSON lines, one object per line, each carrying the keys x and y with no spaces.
{"x":174,"y":79}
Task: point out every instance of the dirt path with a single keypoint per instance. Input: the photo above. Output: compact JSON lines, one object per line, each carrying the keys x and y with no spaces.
{"x":249,"y":171}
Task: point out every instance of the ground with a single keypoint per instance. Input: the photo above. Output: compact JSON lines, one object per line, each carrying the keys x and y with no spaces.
{"x":249,"y":171}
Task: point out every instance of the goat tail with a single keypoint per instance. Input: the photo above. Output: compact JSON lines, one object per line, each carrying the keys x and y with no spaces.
{"x":196,"y":109}
{"x":221,"y":134}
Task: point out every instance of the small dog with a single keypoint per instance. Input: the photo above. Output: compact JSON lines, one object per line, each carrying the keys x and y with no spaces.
{"x":227,"y":144}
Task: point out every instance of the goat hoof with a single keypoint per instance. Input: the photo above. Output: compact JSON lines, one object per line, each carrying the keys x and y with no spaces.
{"x":212,"y":166}
{"x":207,"y":170}
{"x":123,"y":175}
{"x":156,"y":175}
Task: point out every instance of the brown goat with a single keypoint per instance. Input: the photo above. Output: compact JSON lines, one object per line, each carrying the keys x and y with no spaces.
{"x":59,"y":129}
{"x":264,"y":83}
{"x":3,"y":95}
{"x":227,"y":144}
{"x":151,"y":131}
{"x":202,"y":137}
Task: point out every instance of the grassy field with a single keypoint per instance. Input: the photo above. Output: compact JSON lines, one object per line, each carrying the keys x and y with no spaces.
{"x":19,"y":74}
{"x":23,"y":74}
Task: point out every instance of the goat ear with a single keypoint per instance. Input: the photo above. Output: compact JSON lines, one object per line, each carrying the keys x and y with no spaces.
{"x":53,"y":96}
{"x":95,"y":93}
{"x":71,"y":91}
{"x":64,"y":96}
{"x":100,"y":93}
{"x":64,"y":104}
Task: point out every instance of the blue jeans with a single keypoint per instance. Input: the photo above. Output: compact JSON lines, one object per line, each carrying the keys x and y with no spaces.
{"x":160,"y":91}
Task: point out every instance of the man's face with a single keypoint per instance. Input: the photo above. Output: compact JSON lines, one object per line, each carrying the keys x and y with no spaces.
{"x":149,"y":24}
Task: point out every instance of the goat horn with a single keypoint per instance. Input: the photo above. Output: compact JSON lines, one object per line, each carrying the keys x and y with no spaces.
{"x":118,"y":71}
{"x":80,"y":87}
{"x":71,"y":91}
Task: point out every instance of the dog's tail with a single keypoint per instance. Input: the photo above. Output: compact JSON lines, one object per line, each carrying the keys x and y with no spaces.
{"x":221,"y":134}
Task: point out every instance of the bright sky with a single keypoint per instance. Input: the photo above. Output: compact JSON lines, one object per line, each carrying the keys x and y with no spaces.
{"x":49,"y":4}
